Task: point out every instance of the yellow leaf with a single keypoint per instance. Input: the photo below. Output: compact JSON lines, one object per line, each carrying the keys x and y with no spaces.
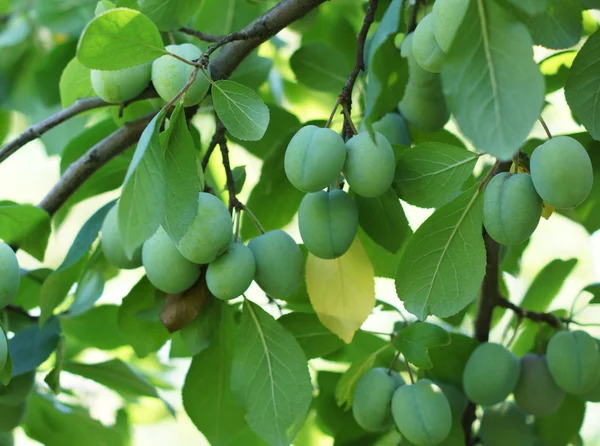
{"x":547,"y":210}
{"x":342,"y":290}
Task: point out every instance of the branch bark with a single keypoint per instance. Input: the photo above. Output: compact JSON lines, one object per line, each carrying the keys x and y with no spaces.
{"x":547,"y":318}
{"x":205,"y":37}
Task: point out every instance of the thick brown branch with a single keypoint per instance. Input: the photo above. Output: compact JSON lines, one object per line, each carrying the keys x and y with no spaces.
{"x":260,"y":30}
{"x":234,"y":203}
{"x":91,"y":161}
{"x":205,"y":37}
{"x":547,"y":318}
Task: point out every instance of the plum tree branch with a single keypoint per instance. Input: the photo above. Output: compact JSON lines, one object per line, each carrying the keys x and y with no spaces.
{"x":205,"y":37}
{"x":547,"y":318}
{"x":78,"y":107}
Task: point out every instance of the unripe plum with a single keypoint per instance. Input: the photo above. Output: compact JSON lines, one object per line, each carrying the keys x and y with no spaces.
{"x":279,"y":263}
{"x":17,"y":390}
{"x":447,"y":17}
{"x":536,"y":392}
{"x":121,"y":85}
{"x":371,"y":405}
{"x":562,"y":172}
{"x":422,"y":413}
{"x":511,"y":208}
{"x":112,"y":243}
{"x":574,"y":361}
{"x":10,"y":275}
{"x":328,"y":222}
{"x":505,"y":424}
{"x":490,"y":374}
{"x":209,"y":234}
{"x":170,"y":75}
{"x":393,"y":127}
{"x":165,"y":267}
{"x":593,"y":395}
{"x":12,"y":416}
{"x":457,"y":399}
{"x":427,"y":52}
{"x":314,"y":158}
{"x":230,"y":275}
{"x":423,"y":104}
{"x":3,"y":349}
{"x":370,"y":165}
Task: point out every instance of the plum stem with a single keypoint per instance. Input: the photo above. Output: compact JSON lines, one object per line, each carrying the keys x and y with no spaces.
{"x":546,"y":129}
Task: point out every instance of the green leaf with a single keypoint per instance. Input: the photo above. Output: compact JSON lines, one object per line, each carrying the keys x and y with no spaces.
{"x":218,"y":17}
{"x":28,"y":296}
{"x":344,"y":391}
{"x":55,"y":424}
{"x":547,"y":284}
{"x":253,"y":71}
{"x":239,"y":178}
{"x":26,"y":226}
{"x":560,"y":26}
{"x":594,"y":289}
{"x":48,"y":73}
{"x":116,"y":375}
{"x":95,"y":328}
{"x":273,"y":191}
{"x":75,"y":83}
{"x":443,"y":264}
{"x":181,"y":168}
{"x":431,"y":174}
{"x":415,"y":340}
{"x":320,"y":67}
{"x":145,"y":336}
{"x":583,"y":85}
{"x":383,"y":219}
{"x":17,"y":30}
{"x":119,"y":38}
{"x":555,"y":69}
{"x":143,"y":201}
{"x":270,"y":377}
{"x":491,"y":65}
{"x":197,"y":335}
{"x":90,"y":284}
{"x":68,"y":16}
{"x":169,"y":15}
{"x":379,"y":48}
{"x":531,"y":7}
{"x":313,"y":337}
{"x":449,"y":360}
{"x":242,"y":111}
{"x":384,"y":262}
{"x":32,"y":346}
{"x":207,"y":396}
{"x":563,"y":425}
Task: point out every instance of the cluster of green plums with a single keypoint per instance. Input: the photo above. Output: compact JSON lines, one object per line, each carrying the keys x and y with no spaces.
{"x":423,"y":412}
{"x":273,"y":259}
{"x":561,"y":175}
{"x":168,"y":75}
{"x":314,"y":160}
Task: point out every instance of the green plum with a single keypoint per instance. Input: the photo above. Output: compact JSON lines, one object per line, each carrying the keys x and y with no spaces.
{"x":3,"y":349}
{"x":12,"y":416}
{"x":165,"y":267}
{"x":121,"y":85}
{"x":423,"y":104}
{"x":536,"y":392}
{"x":422,"y":413}
{"x":230,"y":275}
{"x":112,"y":243}
{"x":371,"y":405}
{"x":314,"y":158}
{"x":209,"y":234}
{"x":370,"y":165}
{"x":490,"y":374}
{"x":447,"y":17}
{"x":426,"y":50}
{"x":279,"y":263}
{"x":328,"y":223}
{"x":505,"y":424}
{"x":393,"y":127}
{"x":10,"y":275}
{"x":574,"y":361}
{"x":17,"y":390}
{"x":457,"y":399}
{"x":562,"y":172}
{"x":511,"y":208}
{"x":170,"y":75}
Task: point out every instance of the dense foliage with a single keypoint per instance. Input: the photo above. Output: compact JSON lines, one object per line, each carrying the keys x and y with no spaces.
{"x":358,"y":110}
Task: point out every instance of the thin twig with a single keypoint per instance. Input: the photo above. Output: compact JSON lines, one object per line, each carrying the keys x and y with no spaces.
{"x":348,"y":118}
{"x":548,"y":318}
{"x":234,"y":203}
{"x":410,"y":373}
{"x":332,"y":115}
{"x":393,"y":364}
{"x":205,"y":37}
{"x":214,"y":142}
{"x":546,"y":129}
{"x":253,"y":218}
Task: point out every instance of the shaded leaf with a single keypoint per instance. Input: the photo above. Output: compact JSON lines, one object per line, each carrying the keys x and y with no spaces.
{"x":559,"y":26}
{"x":320,"y":67}
{"x":415,"y":340}
{"x":33,"y":345}
{"x":26,"y":226}
{"x":449,"y":360}
{"x":95,"y":328}
{"x":313,"y":337}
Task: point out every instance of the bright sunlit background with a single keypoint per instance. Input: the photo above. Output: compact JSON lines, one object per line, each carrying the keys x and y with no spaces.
{"x":28,"y":175}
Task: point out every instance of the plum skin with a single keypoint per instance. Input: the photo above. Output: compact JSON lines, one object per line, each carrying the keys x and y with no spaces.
{"x":314,"y":158}
{"x":511,"y":208}
{"x":230,"y":275}
{"x":116,"y":86}
{"x":505,"y":424}
{"x":328,"y":223}
{"x":426,"y":50}
{"x":112,"y":243}
{"x":10,"y":275}
{"x":536,"y":392}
